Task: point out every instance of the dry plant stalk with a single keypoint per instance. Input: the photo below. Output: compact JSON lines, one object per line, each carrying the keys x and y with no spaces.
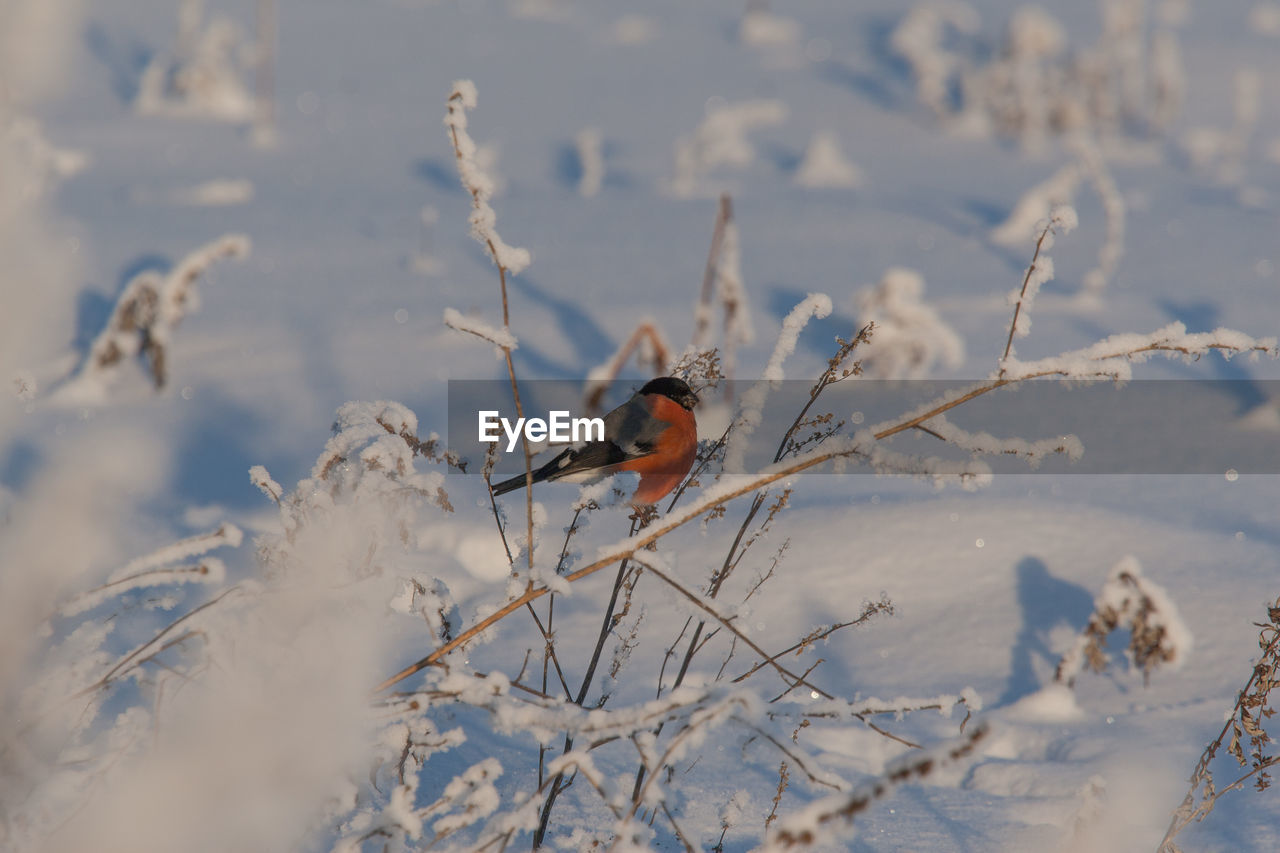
{"x":784,"y":780}
{"x":702,"y":324}
{"x":1156,"y":633}
{"x":1253,"y":707}
{"x":654,"y":346}
{"x":1022,"y":293}
{"x":806,"y":828}
{"x":505,"y":258}
{"x":151,"y":307}
{"x":722,"y":282}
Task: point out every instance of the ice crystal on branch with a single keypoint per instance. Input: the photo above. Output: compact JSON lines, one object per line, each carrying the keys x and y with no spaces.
{"x":500,"y":338}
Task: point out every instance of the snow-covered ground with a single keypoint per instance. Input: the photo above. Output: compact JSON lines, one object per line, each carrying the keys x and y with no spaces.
{"x":222,"y":701}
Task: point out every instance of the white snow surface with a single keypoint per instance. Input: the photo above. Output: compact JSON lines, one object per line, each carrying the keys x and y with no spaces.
{"x":248,"y":725}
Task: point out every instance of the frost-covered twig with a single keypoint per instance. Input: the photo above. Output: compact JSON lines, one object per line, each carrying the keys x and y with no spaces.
{"x":639,"y":521}
{"x":500,"y":338}
{"x":702,"y":313}
{"x":722,"y":283}
{"x":869,"y":610}
{"x":480,"y":185}
{"x":1111,"y":358}
{"x":155,"y":569}
{"x":840,"y":709}
{"x":984,"y":443}
{"x":1063,"y":219}
{"x":825,"y":821}
{"x":1114,"y":357}
{"x":732,"y":705}
{"x":1038,"y":205}
{"x":751,"y":411}
{"x":162,"y":640}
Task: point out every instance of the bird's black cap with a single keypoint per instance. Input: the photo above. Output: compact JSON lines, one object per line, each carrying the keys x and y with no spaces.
{"x":669,"y":386}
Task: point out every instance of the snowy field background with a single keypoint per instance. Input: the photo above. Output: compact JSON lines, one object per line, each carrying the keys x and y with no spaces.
{"x":248,"y":726}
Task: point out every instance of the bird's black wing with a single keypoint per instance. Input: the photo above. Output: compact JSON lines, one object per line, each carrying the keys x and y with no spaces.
{"x":632,"y":433}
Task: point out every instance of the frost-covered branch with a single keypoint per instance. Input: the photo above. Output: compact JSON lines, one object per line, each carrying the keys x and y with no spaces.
{"x":1114,"y":357}
{"x":984,"y":443}
{"x":826,"y":821}
{"x":155,"y":570}
{"x":751,"y":411}
{"x":479,"y":183}
{"x":869,"y":610}
{"x":182,"y":627}
{"x":500,"y":338}
{"x":839,"y":709}
{"x":1061,"y":218}
{"x":508,"y":259}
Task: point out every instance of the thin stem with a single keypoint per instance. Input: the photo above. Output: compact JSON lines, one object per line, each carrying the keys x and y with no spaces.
{"x":606,"y":626}
{"x":723,"y":215}
{"x":1026,"y":279}
{"x":506,"y":351}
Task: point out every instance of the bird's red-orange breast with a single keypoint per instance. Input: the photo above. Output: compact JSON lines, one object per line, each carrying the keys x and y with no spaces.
{"x":673,"y":454}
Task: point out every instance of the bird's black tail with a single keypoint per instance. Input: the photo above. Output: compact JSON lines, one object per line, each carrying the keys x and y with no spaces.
{"x":517,"y":482}
{"x":510,"y":485}
{"x":551,"y":471}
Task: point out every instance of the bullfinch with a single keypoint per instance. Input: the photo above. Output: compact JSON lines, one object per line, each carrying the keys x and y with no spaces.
{"x":654,"y":434}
